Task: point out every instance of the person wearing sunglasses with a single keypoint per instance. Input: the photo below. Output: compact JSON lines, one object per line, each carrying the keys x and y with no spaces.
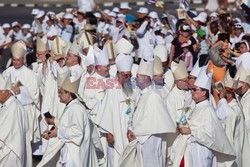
{"x":202,"y":136}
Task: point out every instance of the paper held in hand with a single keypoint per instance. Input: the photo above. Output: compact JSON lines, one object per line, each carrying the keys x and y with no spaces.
{"x":181,"y":13}
{"x":218,"y":86}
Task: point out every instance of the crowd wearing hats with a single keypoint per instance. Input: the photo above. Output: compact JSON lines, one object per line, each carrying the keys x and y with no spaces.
{"x":98,"y":87}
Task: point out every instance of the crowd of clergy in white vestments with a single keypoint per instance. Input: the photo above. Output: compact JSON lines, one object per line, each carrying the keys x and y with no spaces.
{"x":103,"y":88}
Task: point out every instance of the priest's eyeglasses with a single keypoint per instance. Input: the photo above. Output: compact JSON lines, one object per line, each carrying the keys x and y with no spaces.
{"x":195,"y":89}
{"x":191,"y":77}
{"x":125,"y":75}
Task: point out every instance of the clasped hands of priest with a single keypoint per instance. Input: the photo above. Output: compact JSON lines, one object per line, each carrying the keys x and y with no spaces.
{"x":53,"y":131}
{"x":130,"y":136}
{"x":16,"y":90}
{"x":110,"y":138}
{"x":184,"y":130}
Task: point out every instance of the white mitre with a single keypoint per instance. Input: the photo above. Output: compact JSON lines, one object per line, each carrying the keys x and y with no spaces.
{"x":179,"y":70}
{"x":204,"y":80}
{"x":18,"y":49}
{"x":102,"y":58}
{"x":59,"y":47}
{"x":242,"y":74}
{"x":111,"y":49}
{"x":42,"y":44}
{"x":158,"y":69}
{"x":162,"y":52}
{"x":196,"y":70}
{"x":123,"y":46}
{"x":74,"y":49}
{"x":244,"y":59}
{"x":70,"y":86}
{"x":146,"y":68}
{"x":90,"y":58}
{"x":124,"y":62}
{"x":85,"y":40}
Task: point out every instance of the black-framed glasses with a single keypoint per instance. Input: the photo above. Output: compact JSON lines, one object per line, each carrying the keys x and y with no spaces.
{"x":195,"y":89}
{"x":190,"y":77}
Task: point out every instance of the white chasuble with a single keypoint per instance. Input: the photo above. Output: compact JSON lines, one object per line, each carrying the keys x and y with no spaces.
{"x":15,"y":148}
{"x":73,"y":145}
{"x":151,"y":124}
{"x":175,"y":103}
{"x":207,"y":140}
{"x":117,"y":109}
{"x":29,"y":96}
{"x":93,"y":93}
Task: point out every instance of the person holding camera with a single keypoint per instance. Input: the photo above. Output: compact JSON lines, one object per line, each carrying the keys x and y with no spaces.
{"x":68,"y":27}
{"x":52,"y":30}
{"x":217,"y":64}
{"x":241,"y":49}
{"x":145,"y":35}
{"x":238,"y":34}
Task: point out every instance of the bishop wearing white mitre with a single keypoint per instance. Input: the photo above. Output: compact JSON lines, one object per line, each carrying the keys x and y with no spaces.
{"x":150,"y":125}
{"x":70,"y":142}
{"x":40,"y":66}
{"x":94,"y":88}
{"x":25,"y":87}
{"x":48,"y":73}
{"x":87,"y":54}
{"x":161,"y":52}
{"x":123,"y":46}
{"x":117,"y":107}
{"x":15,"y":148}
{"x":158,"y":78}
{"x":66,"y":62}
{"x":179,"y":94}
{"x":202,"y":140}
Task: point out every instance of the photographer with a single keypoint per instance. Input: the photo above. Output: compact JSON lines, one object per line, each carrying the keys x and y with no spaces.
{"x":244,"y":53}
{"x":68,"y":28}
{"x":79,"y":21}
{"x":238,"y":34}
{"x":145,"y":38}
{"x":240,"y":48}
{"x":217,"y":64}
{"x":52,"y":30}
{"x":213,"y":31}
